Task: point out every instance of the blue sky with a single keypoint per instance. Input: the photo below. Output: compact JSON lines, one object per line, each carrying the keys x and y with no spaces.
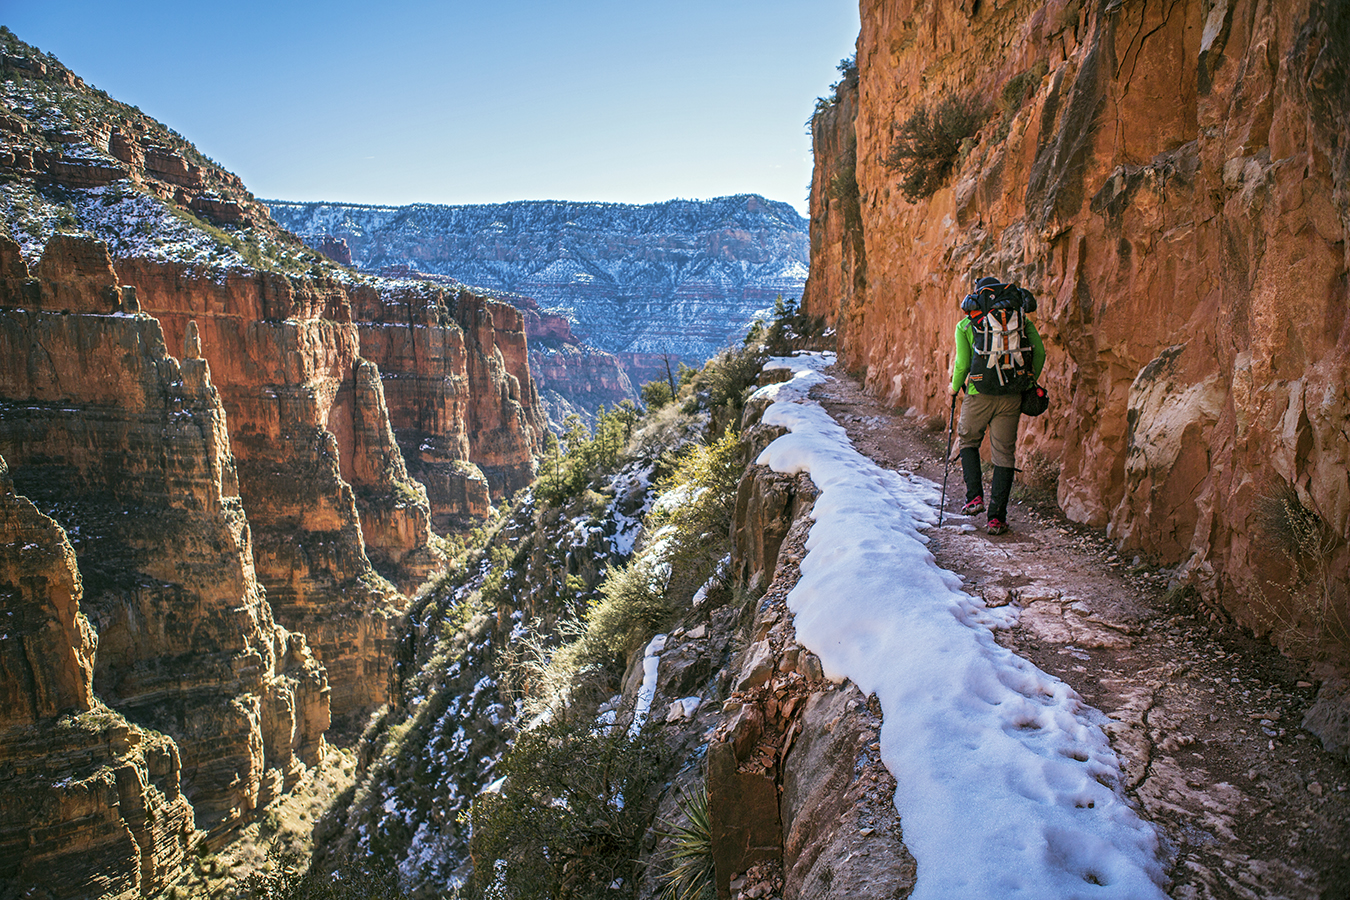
{"x":410,"y":101}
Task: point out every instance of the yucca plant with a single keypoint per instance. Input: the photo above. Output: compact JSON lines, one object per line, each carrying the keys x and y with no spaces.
{"x":690,"y":876}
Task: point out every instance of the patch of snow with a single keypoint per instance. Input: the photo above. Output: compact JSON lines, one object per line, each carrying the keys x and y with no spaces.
{"x":718,"y":574}
{"x":684,"y":708}
{"x":1006,"y":784}
{"x":651,"y":663}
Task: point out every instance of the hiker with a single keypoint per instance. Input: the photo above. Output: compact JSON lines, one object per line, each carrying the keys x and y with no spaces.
{"x":995,"y":365}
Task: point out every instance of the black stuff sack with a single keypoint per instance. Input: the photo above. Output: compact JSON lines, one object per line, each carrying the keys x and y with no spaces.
{"x":1035,"y":401}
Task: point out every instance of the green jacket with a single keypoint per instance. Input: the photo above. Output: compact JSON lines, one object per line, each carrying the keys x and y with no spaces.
{"x":965,"y":348}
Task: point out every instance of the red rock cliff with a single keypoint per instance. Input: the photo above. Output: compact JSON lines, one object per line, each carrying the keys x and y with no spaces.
{"x":462,"y":403}
{"x":286,"y":358}
{"x":1172,"y":182}
{"x":127,"y":447}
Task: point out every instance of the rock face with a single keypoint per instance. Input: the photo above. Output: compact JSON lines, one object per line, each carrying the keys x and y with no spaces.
{"x":462,"y":404}
{"x":285,"y":356}
{"x":683,"y":277}
{"x":1173,"y":183}
{"x":98,"y":153}
{"x":795,"y":781}
{"x":577,"y":379}
{"x":92,"y":805}
{"x":262,"y":471}
{"x":127,"y":447}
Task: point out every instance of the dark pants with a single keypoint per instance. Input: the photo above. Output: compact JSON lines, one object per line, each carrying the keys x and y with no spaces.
{"x":998,"y":414}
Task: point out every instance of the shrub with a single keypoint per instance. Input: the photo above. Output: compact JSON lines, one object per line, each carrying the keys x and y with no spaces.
{"x":929,"y":142}
{"x":792,"y":329}
{"x":1315,"y":612}
{"x":569,"y":818}
{"x":691,"y":528}
{"x":843,"y":189}
{"x":656,"y":394}
{"x":289,"y":880}
{"x":721,"y":386}
{"x":633,"y":606}
{"x":848,"y":71}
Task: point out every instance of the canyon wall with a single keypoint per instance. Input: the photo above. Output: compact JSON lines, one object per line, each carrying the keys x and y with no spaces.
{"x":127,"y":447}
{"x":93,"y":804}
{"x":185,"y":390}
{"x":284,"y":355}
{"x":579,"y":379}
{"x":1171,"y":180}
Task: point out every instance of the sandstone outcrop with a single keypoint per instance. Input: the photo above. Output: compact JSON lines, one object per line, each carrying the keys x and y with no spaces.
{"x":462,"y":404}
{"x":1173,"y":183}
{"x":127,"y":448}
{"x":314,"y":457}
{"x":91,"y":804}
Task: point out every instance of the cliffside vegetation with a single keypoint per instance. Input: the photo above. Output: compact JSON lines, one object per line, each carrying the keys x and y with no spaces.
{"x":517,"y":756}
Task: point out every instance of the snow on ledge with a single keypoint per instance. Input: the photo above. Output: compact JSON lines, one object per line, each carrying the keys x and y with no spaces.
{"x":1006,"y":785}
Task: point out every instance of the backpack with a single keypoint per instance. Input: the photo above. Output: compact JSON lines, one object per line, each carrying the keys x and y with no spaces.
{"x":1001,"y":361}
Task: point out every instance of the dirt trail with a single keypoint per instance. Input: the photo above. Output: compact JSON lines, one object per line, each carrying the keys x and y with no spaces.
{"x":1205,"y":719}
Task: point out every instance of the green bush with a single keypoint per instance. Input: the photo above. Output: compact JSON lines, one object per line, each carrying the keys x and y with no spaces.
{"x":289,"y":880}
{"x":722,"y":385}
{"x":656,"y":394}
{"x":572,"y":462}
{"x":691,"y":529}
{"x":791,"y":329}
{"x":929,"y":142}
{"x":568,"y":821}
{"x":632,"y":607}
{"x":706,"y":478}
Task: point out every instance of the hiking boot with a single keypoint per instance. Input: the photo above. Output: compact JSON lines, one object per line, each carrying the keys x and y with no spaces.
{"x":973,"y":507}
{"x":997,"y":526}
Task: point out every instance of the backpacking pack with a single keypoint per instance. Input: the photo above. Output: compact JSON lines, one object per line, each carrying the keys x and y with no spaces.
{"x":1001,"y":361}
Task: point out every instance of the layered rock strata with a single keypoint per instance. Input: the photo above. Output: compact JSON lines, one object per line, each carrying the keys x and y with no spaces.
{"x":92,"y":805}
{"x":127,"y":447}
{"x":578,"y":380}
{"x":1173,"y":182}
{"x":117,"y":143}
{"x":314,"y":456}
{"x":684,"y":277}
{"x":463,"y":406}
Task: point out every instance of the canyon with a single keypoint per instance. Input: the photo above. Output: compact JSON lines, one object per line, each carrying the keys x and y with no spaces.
{"x":229,"y":462}
{"x":1172,"y":181}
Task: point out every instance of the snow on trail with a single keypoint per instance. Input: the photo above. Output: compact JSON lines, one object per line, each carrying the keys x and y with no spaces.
{"x":1006,"y":785}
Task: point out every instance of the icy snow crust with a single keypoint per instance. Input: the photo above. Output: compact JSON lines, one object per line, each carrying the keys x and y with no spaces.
{"x":1006,"y":785}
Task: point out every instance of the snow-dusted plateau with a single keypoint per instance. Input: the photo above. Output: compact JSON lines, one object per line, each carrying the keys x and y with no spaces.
{"x":683,"y":277}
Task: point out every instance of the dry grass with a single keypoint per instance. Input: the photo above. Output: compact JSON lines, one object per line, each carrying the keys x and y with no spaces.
{"x":287,"y":825}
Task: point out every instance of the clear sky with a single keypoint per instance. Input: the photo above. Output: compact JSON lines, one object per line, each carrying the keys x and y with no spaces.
{"x":405,"y":101}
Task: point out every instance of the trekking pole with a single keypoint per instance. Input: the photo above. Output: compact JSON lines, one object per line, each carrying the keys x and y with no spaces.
{"x":947,"y":460}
